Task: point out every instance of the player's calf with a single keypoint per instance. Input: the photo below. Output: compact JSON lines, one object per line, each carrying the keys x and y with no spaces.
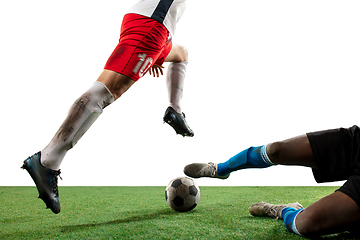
{"x":253,"y":157}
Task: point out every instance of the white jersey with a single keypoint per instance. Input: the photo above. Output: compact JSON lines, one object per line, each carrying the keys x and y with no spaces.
{"x":167,"y":12}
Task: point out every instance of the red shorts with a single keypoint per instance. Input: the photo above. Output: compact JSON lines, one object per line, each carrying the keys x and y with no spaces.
{"x":143,"y":42}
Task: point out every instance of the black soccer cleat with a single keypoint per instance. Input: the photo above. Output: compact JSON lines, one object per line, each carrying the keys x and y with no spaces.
{"x":177,"y":122}
{"x":45,"y":180}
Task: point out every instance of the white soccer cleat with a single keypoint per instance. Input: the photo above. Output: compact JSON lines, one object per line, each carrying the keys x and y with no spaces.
{"x":271,"y":210}
{"x":198,"y":170}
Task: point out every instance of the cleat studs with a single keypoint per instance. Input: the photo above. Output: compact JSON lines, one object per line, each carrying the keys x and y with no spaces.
{"x":23,"y":166}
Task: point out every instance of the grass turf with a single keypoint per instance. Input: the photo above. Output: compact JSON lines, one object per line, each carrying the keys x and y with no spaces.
{"x":142,"y":213}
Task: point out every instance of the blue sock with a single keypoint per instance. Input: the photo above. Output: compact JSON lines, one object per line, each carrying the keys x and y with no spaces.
{"x":253,"y":157}
{"x":289,"y":215}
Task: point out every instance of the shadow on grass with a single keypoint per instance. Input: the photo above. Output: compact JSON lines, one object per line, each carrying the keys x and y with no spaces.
{"x":342,"y":236}
{"x":136,"y":218}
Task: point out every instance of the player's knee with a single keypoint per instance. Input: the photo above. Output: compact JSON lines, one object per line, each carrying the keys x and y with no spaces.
{"x":95,"y":99}
{"x":309,"y":224}
{"x":183,"y":54}
{"x":273,"y":151}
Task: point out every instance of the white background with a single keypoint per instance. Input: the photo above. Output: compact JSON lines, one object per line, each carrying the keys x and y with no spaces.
{"x":259,"y":71}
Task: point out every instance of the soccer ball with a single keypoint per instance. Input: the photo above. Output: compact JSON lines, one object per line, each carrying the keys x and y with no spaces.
{"x":182,"y":194}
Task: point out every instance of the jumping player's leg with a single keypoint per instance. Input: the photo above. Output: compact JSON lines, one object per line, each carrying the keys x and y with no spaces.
{"x":294,"y":151}
{"x":43,"y":166}
{"x":83,"y":113}
{"x":175,"y":78}
{"x":127,"y":64}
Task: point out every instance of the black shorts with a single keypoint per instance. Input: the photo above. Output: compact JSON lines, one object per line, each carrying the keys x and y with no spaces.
{"x":337,"y":153}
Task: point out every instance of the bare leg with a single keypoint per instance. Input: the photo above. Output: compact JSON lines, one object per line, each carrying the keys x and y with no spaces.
{"x":293,"y":151}
{"x":331,"y":214}
{"x":178,"y":53}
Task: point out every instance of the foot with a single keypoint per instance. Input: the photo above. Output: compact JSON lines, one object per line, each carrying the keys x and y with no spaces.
{"x":271,"y":210}
{"x":45,"y":180}
{"x":178,"y":122}
{"x":198,"y":170}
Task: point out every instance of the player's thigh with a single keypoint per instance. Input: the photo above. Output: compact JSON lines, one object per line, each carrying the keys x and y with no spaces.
{"x":331,"y":214}
{"x":178,"y":53}
{"x":293,"y":151}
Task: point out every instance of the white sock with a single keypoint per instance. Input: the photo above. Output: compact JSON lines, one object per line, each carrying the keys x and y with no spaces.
{"x":175,"y":79}
{"x":82,"y":115}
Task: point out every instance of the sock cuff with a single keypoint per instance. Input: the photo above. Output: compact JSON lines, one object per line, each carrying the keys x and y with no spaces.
{"x":108,"y":95}
{"x":182,"y":62}
{"x":264,"y":155}
{"x":178,"y":66}
{"x":294,"y":223}
{"x":289,"y":215}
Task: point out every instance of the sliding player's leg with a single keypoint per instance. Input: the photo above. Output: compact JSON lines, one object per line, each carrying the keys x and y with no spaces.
{"x":332,"y":214}
{"x":336,"y":153}
{"x":175,"y":79}
{"x":294,"y":151}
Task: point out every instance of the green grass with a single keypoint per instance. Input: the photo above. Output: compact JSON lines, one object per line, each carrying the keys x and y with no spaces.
{"x":142,"y":213}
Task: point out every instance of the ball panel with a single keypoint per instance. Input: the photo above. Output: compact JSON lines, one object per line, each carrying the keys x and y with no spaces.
{"x":182,"y":191}
{"x":176,"y":183}
{"x":192,"y":207}
{"x":193,"y":190}
{"x":178,"y":201}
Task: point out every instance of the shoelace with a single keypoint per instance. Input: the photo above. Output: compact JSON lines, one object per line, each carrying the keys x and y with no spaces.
{"x":273,"y":210}
{"x":209,"y":168}
{"x":274,"y":213}
{"x":57,"y":174}
{"x":55,"y":181}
